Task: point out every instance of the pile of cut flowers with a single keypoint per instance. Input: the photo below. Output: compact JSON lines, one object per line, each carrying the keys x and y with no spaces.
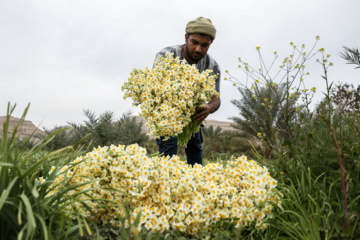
{"x":169,"y":193}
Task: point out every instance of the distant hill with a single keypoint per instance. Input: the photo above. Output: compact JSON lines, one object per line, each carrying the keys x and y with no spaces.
{"x":27,"y":128}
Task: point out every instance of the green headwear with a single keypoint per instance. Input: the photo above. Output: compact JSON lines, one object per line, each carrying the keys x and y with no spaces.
{"x":201,"y":25}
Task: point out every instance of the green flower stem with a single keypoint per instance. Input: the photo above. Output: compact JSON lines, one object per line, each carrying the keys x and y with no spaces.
{"x":187,"y":133}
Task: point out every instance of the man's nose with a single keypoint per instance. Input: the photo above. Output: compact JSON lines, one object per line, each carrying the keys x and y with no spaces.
{"x":198,"y":48}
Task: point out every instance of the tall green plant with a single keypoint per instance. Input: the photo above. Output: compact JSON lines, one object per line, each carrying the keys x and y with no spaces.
{"x":310,"y":210}
{"x":334,"y":109}
{"x":26,"y":212}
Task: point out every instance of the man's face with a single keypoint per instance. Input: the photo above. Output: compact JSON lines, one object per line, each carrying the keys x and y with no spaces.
{"x":196,"y":46}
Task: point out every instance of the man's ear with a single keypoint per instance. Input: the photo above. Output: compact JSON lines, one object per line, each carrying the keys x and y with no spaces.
{"x":186,"y":37}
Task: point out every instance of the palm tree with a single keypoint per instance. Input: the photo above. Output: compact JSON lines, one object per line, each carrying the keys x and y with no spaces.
{"x":238,"y":142}
{"x":60,"y":140}
{"x":211,"y":140}
{"x":217,"y":141}
{"x":269,"y":115}
{"x":106,"y":131}
{"x":131,"y":131}
{"x":99,"y":127}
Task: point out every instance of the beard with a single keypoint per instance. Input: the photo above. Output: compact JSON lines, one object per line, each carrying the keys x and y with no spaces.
{"x":191,"y":56}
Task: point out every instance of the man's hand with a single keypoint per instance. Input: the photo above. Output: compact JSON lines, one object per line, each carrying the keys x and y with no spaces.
{"x":209,"y":107}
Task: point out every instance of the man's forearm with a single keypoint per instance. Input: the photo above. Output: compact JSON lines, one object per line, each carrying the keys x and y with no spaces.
{"x":214,"y":104}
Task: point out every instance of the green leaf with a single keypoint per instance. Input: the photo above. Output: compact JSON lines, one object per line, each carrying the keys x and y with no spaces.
{"x":35,"y":192}
{"x":43,"y":225}
{"x":5,"y":193}
{"x":30,"y":218}
{"x":19,"y":214}
{"x":137,"y":220}
{"x":86,"y":226}
{"x":286,"y":143}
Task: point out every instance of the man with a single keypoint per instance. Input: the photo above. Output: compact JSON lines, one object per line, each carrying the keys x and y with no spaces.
{"x":200,"y":34}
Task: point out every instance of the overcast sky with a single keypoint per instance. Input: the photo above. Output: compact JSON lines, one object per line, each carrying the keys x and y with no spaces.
{"x":66,"y":56}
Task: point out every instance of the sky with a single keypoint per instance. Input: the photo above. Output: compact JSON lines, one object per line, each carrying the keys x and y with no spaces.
{"x":66,"y":56}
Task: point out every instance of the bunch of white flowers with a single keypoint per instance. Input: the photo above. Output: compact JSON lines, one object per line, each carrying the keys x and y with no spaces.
{"x":168,"y":96}
{"x":169,"y":193}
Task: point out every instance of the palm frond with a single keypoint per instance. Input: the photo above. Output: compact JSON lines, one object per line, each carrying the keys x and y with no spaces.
{"x":352,"y":55}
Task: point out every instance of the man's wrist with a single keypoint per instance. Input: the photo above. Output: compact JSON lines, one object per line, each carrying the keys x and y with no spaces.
{"x":214,"y":104}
